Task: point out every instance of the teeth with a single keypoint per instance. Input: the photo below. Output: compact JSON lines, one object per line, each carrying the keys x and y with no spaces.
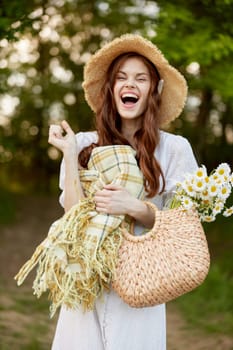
{"x":129,"y":95}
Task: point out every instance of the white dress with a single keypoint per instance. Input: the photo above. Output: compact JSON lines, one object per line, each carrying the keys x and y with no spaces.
{"x":113,"y":325}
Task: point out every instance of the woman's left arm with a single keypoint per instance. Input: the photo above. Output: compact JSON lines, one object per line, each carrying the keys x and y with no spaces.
{"x":116,"y":200}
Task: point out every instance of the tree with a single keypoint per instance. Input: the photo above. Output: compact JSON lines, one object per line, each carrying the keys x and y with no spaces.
{"x":45,"y":44}
{"x":198,"y":38}
{"x":42,"y":74}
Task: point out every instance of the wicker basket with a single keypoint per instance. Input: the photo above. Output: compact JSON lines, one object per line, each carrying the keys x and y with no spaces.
{"x":168,"y":261}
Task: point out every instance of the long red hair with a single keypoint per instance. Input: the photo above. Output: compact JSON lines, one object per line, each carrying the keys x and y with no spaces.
{"x":108,"y":126}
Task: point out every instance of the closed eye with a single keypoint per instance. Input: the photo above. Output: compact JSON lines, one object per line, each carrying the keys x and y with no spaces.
{"x":120,"y":77}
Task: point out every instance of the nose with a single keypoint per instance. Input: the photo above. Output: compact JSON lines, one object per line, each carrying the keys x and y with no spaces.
{"x":130,"y":84}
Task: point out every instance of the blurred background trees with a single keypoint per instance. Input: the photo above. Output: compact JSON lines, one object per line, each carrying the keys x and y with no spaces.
{"x":44,"y":45}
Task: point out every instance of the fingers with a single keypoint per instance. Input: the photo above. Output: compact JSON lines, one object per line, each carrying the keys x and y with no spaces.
{"x":101,"y":207}
{"x":108,"y":192}
{"x":113,"y":187}
{"x":55,"y":131}
{"x":66,"y":127}
{"x":102,"y":193}
{"x":63,"y":138}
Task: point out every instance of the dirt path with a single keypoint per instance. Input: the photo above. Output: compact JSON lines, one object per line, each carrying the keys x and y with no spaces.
{"x":24,"y":321}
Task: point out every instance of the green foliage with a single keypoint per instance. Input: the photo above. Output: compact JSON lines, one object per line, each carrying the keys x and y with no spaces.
{"x":203,"y":33}
{"x":47,"y":97}
{"x":14,"y":17}
{"x":62,"y":37}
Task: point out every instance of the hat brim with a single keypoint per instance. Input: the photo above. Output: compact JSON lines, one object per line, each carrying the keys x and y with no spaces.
{"x":174,"y":92}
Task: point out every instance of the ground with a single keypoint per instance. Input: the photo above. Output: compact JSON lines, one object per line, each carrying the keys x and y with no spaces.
{"x":24,"y":320}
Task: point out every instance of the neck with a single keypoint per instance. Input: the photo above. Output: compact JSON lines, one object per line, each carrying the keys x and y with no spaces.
{"x":128,"y":129}
{"x":128,"y":134}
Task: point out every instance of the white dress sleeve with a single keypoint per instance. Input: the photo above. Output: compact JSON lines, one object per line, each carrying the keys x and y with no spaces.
{"x":83,"y":139}
{"x":176,"y":159}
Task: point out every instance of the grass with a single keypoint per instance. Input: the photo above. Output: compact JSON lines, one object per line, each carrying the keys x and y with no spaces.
{"x":25,"y":322}
{"x":29,"y":304}
{"x":33,"y":344}
{"x":210,"y":306}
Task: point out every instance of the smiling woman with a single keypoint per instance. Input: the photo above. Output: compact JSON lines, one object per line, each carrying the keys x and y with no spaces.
{"x":133,"y":91}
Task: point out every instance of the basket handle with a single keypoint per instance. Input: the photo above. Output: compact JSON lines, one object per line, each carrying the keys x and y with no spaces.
{"x":131,"y":236}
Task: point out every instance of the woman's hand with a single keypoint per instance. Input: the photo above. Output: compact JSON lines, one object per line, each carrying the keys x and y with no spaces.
{"x":63,"y":138}
{"x":116,"y":200}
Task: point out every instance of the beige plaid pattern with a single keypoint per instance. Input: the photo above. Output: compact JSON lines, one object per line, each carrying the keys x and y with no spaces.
{"x":114,"y":164}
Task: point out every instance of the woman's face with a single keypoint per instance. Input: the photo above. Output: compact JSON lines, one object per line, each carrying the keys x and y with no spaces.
{"x":131,"y":88}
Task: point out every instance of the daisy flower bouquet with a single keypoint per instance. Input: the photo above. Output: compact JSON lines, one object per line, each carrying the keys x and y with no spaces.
{"x":207,"y":194}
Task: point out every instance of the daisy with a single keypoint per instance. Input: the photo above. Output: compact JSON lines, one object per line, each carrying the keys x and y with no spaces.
{"x":219,"y":180}
{"x":208,"y":218}
{"x":187,"y":203}
{"x":223,"y":170}
{"x":213,"y":189}
{"x":218,"y":208}
{"x":189,"y":189}
{"x":224,"y":192}
{"x":201,"y":172}
{"x":205,"y":194}
{"x":228,"y":212}
{"x":199,"y":184}
{"x":206,"y":179}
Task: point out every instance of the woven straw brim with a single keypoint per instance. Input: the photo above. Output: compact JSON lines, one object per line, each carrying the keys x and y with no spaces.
{"x":175,"y":88}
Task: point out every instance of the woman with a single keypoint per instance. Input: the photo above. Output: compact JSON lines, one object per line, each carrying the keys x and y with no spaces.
{"x":133,"y":91}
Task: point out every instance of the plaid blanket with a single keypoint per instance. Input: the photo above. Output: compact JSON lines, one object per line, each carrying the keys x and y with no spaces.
{"x":76,"y":261}
{"x":110,"y":165}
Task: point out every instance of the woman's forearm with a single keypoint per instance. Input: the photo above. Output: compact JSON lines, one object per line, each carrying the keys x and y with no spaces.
{"x":73,"y":189}
{"x":63,"y":138}
{"x":142,"y":213}
{"x":116,"y":200}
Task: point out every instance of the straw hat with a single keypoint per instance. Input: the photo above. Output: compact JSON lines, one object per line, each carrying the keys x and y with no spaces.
{"x":173,"y":95}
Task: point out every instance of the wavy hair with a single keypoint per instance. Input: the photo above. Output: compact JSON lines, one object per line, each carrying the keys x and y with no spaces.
{"x":108,"y":126}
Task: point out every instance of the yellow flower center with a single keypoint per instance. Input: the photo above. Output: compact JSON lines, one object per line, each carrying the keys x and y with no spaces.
{"x":213,"y":189}
{"x":199,"y":173}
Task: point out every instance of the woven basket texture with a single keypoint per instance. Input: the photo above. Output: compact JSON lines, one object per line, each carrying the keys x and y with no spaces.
{"x":165,"y":263}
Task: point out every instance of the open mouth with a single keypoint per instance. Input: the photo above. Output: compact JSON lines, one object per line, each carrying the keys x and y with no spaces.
{"x":129,"y":99}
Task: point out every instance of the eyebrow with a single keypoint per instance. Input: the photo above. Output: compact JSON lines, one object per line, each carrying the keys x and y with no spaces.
{"x":138,"y":74}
